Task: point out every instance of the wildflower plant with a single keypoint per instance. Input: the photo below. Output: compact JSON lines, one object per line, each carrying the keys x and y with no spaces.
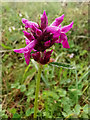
{"x":39,"y":38}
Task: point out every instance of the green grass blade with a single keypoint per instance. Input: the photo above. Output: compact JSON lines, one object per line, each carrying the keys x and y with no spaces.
{"x":6,"y":47}
{"x":86,"y":74}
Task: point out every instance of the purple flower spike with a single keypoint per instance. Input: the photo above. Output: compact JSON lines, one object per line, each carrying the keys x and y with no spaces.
{"x":58,"y":21}
{"x":41,"y":37}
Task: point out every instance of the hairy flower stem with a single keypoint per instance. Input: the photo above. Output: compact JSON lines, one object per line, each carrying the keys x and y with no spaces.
{"x":37,"y":90}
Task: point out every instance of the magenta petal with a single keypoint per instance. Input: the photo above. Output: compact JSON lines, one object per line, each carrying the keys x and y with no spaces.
{"x":57,"y":41}
{"x":55,"y":31}
{"x":59,"y":26}
{"x":63,"y":37}
{"x":48,"y":54}
{"x":56,"y":34}
{"x":63,"y":40}
{"x":65,"y":44}
{"x":52,"y":29}
{"x":36,"y":56}
{"x":17,"y":50}
{"x":29,"y":47}
{"x":44,"y":21}
{"x":21,"y":50}
{"x":27,"y":57}
{"x":30,"y":23}
{"x":58,"y":21}
{"x":34,"y":50}
{"x":27,"y":41}
{"x":46,"y":57}
{"x":47,"y":43}
{"x":67,"y":27}
{"x":36,"y":30}
{"x":28,"y":35}
{"x":24,"y":20}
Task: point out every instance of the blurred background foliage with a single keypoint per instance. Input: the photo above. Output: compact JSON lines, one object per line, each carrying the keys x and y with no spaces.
{"x":64,"y":92}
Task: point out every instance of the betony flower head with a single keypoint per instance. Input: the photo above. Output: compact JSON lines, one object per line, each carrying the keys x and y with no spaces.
{"x":41,"y":37}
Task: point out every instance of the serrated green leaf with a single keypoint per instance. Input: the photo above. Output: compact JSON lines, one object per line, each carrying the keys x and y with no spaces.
{"x":66,"y":100}
{"x":67,"y":109}
{"x":77,"y":109}
{"x":83,"y":52}
{"x":64,"y":65}
{"x":61,"y":92}
{"x":84,"y":115}
{"x":13,"y":110}
{"x":76,"y":92}
{"x":16,"y":115}
{"x":4,"y":116}
{"x":29,"y":92}
{"x":15,"y":85}
{"x":23,"y":88}
{"x":85,"y":109}
{"x":64,"y":114}
{"x":50,"y":94}
{"x":29,"y":111}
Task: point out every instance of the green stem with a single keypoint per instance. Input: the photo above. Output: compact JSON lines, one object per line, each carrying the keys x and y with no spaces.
{"x":76,"y":84}
{"x":37,"y":90}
